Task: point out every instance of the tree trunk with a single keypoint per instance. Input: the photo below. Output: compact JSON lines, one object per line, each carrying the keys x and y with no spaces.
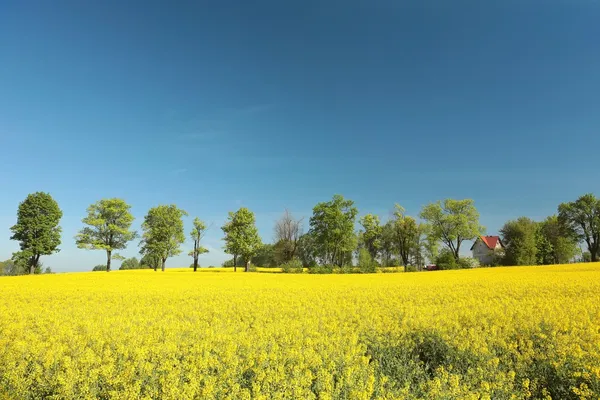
{"x":155,"y":266}
{"x":247,"y":266}
{"x":108,"y":259}
{"x":234,"y":263}
{"x":195,"y":263}
{"x":164,"y":261}
{"x":32,"y":266}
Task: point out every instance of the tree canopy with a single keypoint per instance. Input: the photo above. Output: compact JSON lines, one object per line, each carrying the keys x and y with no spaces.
{"x":108,"y":227}
{"x":452,"y":222}
{"x":241,"y":236}
{"x":581,"y":218}
{"x":37,"y":229}
{"x":332,"y":229}
{"x":370,"y":236}
{"x":163,"y":232}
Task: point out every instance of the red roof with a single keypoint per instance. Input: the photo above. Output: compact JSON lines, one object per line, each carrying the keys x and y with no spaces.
{"x":490,"y":241}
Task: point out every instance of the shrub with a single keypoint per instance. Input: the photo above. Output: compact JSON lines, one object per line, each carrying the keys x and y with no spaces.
{"x":292,"y":267}
{"x":468,"y":262}
{"x":365,"y":262}
{"x":99,"y":267}
{"x":321,"y":269}
{"x":411,"y":268}
{"x":446,"y":260}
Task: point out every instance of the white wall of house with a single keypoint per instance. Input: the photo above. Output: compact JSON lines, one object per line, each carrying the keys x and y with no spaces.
{"x":483,"y":253}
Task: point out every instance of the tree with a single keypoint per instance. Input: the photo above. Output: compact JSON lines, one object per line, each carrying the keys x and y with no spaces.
{"x":150,"y":260}
{"x":519,"y":238}
{"x":241,"y":236}
{"x":366,"y":264}
{"x":332,"y":229}
{"x":9,"y":267}
{"x":564,"y":244}
{"x":197,"y":234}
{"x":388,"y":244}
{"x":287,"y":233}
{"x":99,"y":267}
{"x":370,"y":237}
{"x":130,"y":263}
{"x":37,"y":229}
{"x":406,"y":235}
{"x":307,"y":252}
{"x":266,"y":256}
{"x":163,"y":233}
{"x":109,"y":222}
{"x":452,"y":222}
{"x":581,"y":219}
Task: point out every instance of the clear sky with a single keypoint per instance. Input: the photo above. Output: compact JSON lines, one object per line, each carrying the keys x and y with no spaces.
{"x":275,"y":104}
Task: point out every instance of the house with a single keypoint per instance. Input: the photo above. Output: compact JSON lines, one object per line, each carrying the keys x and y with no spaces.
{"x":484,"y":247}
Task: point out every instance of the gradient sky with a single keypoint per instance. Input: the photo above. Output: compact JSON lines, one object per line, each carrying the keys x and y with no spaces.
{"x":275,"y":104}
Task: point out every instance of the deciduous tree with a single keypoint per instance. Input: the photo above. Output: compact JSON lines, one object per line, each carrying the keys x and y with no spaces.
{"x":406,"y":235}
{"x":370,"y":236}
{"x":241,"y":236}
{"x":332,"y":229}
{"x":108,"y":227}
{"x":163,"y":232}
{"x":519,"y":238}
{"x":197,"y":234}
{"x":37,"y":229}
{"x":581,"y":218}
{"x":287,"y":233}
{"x":452,"y":222}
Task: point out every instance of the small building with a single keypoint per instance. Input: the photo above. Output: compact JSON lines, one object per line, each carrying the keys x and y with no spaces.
{"x":484,"y":247}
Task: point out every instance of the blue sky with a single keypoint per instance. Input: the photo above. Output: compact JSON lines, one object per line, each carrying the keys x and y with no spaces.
{"x":275,"y":104}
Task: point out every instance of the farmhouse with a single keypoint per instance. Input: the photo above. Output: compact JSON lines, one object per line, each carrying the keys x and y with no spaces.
{"x":483,"y":248}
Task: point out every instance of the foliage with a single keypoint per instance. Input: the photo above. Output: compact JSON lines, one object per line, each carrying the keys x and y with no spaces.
{"x":229,"y":263}
{"x":150,"y":260}
{"x":241,"y":235}
{"x":468,"y":262}
{"x":446,"y":260}
{"x":388,"y":245}
{"x":520,"y":239}
{"x":292,"y":267}
{"x":406,"y":234}
{"x":99,"y":267}
{"x":132,"y":263}
{"x":332,"y":229}
{"x":581,"y":220}
{"x":108,"y":227}
{"x":9,"y":267}
{"x":307,"y":250}
{"x":479,"y":334}
{"x":370,"y":237}
{"x":321,"y":269}
{"x":452,"y":222}
{"x":288,"y":231}
{"x":265,"y":256}
{"x":562,"y":243}
{"x":163,"y":232}
{"x":366,"y":263}
{"x":37,"y":229}
{"x":197,"y":234}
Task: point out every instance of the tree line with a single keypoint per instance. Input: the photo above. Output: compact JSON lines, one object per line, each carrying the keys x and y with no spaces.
{"x":331,"y":243}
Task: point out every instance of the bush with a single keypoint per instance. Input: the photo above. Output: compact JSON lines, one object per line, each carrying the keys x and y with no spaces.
{"x":365,"y":262}
{"x":446,"y":260}
{"x":468,"y":262}
{"x":292,"y":267}
{"x":411,"y":268}
{"x":99,"y":267}
{"x":321,"y":269}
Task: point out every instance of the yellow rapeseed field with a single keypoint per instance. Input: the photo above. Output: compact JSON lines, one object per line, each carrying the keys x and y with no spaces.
{"x":496,"y":333}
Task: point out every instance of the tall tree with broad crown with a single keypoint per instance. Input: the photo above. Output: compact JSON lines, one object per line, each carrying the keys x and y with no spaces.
{"x":241,"y":236}
{"x":581,"y":218}
{"x":332,"y":229}
{"x":452,"y":222}
{"x":37,"y":229}
{"x":163,"y":232}
{"x":109,"y":228}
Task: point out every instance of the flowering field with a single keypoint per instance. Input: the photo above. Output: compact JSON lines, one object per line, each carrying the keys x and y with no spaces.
{"x":501,"y":333}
